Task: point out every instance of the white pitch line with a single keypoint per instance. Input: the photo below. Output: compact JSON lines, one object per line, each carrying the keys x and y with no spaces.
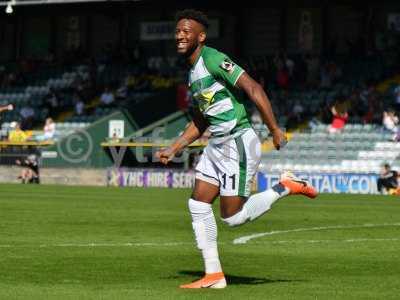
{"x":241,"y":240}
{"x":328,"y":241}
{"x":246,"y":238}
{"x":93,"y":245}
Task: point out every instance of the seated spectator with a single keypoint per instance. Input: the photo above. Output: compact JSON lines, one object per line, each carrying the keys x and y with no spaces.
{"x":295,"y":116}
{"x":27,"y":113}
{"x":397,"y":97}
{"x":387,"y":181}
{"x":390,"y":121}
{"x":30,"y":172}
{"x":290,"y":66}
{"x":49,"y":131}
{"x":340,"y":117}
{"x":298,"y":109}
{"x":107,"y":98}
{"x":326,"y":77}
{"x":17,"y":135}
{"x":79,"y":107}
{"x":282,"y":78}
{"x":51,"y":102}
{"x":368,"y":97}
{"x":313,"y":66}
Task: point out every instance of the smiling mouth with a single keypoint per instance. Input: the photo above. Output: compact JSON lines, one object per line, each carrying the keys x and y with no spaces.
{"x":181,"y":45}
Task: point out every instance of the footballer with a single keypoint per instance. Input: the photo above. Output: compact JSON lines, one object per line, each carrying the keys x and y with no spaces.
{"x":231,"y":158}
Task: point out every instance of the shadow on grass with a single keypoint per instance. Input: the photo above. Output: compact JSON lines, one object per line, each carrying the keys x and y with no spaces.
{"x":239,"y":280}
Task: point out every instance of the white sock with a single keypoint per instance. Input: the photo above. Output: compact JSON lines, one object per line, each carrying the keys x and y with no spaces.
{"x":205,"y":231}
{"x":257,"y":205}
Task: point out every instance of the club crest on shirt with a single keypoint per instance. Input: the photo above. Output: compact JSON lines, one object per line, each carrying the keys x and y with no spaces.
{"x":227,"y":65}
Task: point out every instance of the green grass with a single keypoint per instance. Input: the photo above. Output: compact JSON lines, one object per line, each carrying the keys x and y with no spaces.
{"x":36,"y":223}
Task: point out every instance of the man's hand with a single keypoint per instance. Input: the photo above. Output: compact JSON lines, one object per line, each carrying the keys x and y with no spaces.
{"x":165,"y":155}
{"x":278,"y":138}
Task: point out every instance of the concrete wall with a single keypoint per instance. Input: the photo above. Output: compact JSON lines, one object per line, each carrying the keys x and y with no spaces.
{"x":76,"y":176}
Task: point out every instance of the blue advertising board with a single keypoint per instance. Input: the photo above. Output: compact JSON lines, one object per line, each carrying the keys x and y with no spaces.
{"x":351,"y":183}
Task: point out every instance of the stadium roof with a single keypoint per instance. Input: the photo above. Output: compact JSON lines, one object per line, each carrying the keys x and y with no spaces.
{"x":38,"y":2}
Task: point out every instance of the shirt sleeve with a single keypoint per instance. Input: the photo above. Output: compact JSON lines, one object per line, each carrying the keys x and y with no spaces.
{"x":223,"y":68}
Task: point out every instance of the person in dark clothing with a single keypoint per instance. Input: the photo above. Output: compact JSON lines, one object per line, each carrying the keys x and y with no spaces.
{"x":387,"y":179}
{"x":30,"y":172}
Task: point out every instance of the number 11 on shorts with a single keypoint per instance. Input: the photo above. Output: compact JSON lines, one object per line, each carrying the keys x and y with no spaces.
{"x":233,"y":180}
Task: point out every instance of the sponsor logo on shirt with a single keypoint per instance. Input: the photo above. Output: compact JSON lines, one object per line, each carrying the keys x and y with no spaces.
{"x":227,"y":65}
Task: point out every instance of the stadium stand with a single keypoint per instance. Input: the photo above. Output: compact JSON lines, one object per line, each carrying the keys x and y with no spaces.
{"x":360,"y":148}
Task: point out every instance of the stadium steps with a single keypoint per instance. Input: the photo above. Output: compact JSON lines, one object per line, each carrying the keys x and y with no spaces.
{"x":360,"y":148}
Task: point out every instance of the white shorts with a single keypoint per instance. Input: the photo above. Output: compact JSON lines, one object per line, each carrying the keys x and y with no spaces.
{"x":232,"y":164}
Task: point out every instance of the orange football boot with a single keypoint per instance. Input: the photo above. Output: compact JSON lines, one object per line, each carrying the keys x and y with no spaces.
{"x":212,"y":280}
{"x":297,"y":186}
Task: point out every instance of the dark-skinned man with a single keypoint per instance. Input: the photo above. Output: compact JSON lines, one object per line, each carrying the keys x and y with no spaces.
{"x":231,"y":158}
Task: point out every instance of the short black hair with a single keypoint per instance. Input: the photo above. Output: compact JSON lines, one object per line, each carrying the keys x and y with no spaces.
{"x":386,"y":165}
{"x":193,"y":14}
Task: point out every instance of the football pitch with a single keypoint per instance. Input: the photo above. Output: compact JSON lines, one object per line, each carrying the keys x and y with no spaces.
{"x":62,"y":242}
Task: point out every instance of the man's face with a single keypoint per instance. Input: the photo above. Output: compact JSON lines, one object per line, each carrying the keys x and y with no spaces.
{"x":188,"y":35}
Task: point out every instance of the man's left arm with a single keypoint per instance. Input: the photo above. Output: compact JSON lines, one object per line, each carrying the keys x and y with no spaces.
{"x":6,"y":107}
{"x":257,"y":95}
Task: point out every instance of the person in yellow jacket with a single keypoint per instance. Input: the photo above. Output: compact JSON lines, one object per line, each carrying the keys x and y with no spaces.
{"x":17,"y":135}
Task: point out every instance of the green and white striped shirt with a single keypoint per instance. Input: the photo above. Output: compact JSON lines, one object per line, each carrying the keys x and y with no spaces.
{"x":212,"y":82}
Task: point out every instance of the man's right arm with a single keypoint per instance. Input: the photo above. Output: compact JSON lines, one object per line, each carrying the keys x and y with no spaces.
{"x":193,"y":131}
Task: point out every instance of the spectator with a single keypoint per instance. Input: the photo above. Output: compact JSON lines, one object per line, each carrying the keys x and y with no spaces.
{"x":295,"y":116}
{"x":282,"y":77}
{"x":367,"y":93}
{"x":390,"y":123}
{"x":17,"y":135}
{"x":27,"y":113}
{"x":52,"y":99}
{"x":339,"y":117}
{"x":290,"y":66}
{"x":107,"y":98}
{"x":369,"y":104}
{"x":397,"y":97}
{"x":326,"y":78}
{"x":298,"y":109}
{"x":79,"y":107}
{"x":30,"y":174}
{"x":49,"y":131}
{"x":387,"y":181}
{"x":312,"y":70}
